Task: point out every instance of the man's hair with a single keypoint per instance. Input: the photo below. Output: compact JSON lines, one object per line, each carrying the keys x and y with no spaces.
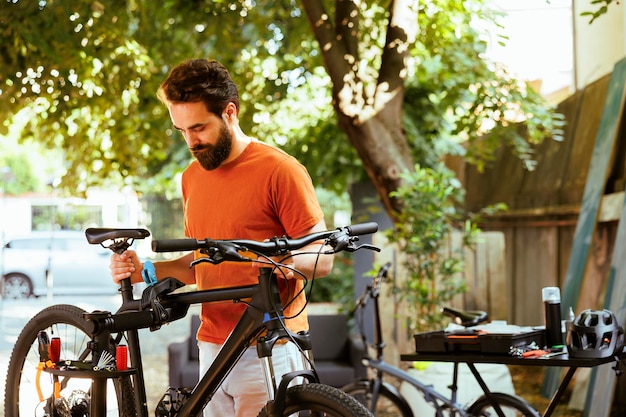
{"x":200,"y":80}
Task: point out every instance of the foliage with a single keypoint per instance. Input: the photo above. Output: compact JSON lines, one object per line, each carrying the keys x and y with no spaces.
{"x":423,"y":232}
{"x":88,"y":71}
{"x":81,"y":76}
{"x":457,"y":102}
{"x":304,"y":125}
{"x":336,"y":287}
{"x":603,"y":8}
{"x":164,"y":216}
{"x":16,"y":176}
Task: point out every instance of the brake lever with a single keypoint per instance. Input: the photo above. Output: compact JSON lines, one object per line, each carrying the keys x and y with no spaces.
{"x":211,"y":260}
{"x":353,"y":248}
{"x":220,"y":253}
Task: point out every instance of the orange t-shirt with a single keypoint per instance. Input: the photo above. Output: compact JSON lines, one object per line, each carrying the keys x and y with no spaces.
{"x":261,"y":194}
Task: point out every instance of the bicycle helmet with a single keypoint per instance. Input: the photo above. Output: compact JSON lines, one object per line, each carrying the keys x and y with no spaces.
{"x":594,"y":334}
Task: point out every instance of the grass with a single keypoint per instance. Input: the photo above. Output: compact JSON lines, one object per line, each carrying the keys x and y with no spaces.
{"x":528,"y":382}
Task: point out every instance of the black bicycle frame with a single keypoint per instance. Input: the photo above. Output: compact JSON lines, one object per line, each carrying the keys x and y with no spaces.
{"x":264,"y":312}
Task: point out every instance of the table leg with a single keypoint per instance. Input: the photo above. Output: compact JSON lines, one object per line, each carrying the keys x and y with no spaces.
{"x":485,"y":389}
{"x":559,"y":392}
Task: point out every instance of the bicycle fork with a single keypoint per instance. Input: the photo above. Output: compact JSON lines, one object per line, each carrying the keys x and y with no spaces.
{"x":276,"y":331}
{"x":265,"y":345}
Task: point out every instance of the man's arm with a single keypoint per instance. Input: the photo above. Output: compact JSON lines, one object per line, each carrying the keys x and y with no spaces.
{"x":128,"y":265}
{"x":306,"y":263}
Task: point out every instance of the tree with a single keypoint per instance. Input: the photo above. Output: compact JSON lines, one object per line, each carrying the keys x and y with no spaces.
{"x":17,"y":175}
{"x":89,"y":70}
{"x":371,"y":119}
{"x":602,"y":8}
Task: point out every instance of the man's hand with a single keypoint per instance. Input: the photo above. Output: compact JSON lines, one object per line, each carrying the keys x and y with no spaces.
{"x":126,"y":265}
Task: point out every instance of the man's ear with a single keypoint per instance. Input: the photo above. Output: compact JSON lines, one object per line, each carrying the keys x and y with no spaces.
{"x":230,"y":113}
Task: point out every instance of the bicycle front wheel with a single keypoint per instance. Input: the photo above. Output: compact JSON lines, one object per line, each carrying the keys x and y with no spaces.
{"x":511,"y":406}
{"x":319,"y":400}
{"x":384,"y":404}
{"x":29,"y":391}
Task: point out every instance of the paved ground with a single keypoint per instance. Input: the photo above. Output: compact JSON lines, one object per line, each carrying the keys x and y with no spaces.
{"x":14,"y":314}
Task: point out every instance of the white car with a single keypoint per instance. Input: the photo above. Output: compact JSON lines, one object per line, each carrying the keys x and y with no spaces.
{"x":60,"y":261}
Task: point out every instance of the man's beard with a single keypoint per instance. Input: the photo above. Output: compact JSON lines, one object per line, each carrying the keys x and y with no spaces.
{"x":212,"y":156}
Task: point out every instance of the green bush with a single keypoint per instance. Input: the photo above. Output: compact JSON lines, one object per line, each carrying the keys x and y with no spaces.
{"x":422,"y":232}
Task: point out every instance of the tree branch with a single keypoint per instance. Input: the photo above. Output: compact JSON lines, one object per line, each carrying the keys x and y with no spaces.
{"x":332,"y":51}
{"x":401,"y":33}
{"x":347,"y":27}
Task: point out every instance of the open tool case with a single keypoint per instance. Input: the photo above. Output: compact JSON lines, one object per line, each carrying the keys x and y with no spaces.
{"x":492,"y":338}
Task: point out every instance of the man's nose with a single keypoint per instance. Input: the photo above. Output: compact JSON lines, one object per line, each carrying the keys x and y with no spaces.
{"x":191,"y":139}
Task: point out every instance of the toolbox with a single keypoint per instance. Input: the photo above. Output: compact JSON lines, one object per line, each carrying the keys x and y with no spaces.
{"x":487,"y":339}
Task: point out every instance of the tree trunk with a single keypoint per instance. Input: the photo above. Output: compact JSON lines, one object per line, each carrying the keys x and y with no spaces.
{"x":383,"y":155}
{"x":372,"y":122}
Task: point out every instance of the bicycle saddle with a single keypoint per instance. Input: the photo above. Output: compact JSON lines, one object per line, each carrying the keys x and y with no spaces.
{"x":99,"y":235}
{"x":466,"y":318}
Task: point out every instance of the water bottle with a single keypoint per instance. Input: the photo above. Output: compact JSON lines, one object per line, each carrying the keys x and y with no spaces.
{"x":552,"y":308}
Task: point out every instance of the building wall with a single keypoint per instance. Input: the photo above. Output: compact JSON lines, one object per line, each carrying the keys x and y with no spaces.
{"x":598,"y":46}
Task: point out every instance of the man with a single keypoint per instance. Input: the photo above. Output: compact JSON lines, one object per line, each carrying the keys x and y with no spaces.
{"x":239,"y":188}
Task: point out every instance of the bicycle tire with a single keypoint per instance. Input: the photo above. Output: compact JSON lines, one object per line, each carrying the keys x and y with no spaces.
{"x":511,"y":405}
{"x":388,"y":403}
{"x":20,"y":397}
{"x":319,"y":400}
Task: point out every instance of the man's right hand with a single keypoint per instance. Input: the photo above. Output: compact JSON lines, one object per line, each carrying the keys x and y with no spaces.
{"x":126,"y":265}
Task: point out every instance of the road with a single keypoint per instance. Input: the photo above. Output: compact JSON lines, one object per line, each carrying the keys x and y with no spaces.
{"x":14,"y":314}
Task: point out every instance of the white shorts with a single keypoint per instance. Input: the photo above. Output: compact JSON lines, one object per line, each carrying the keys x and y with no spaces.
{"x":244,"y":393}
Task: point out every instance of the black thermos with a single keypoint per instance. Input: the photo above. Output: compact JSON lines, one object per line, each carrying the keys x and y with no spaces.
{"x":552,"y":307}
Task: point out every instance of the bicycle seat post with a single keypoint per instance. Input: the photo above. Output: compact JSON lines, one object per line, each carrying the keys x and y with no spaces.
{"x":379,"y":344}
{"x":126,"y":289}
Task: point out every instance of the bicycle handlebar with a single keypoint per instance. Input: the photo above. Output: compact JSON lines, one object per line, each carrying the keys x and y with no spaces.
{"x":339,"y":239}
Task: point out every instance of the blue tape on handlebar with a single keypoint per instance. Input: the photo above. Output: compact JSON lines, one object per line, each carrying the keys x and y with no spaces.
{"x":149,"y":273}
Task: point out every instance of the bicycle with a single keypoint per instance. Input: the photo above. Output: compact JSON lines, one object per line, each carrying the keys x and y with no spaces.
{"x":384,"y":399}
{"x":82,"y":369}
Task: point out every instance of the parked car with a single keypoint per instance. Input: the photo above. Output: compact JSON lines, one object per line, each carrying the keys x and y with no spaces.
{"x":61,"y":260}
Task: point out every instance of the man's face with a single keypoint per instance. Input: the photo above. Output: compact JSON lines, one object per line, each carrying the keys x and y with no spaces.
{"x":208,"y":137}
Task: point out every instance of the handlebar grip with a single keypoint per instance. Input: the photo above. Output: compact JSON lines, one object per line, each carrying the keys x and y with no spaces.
{"x":174,"y":245}
{"x":362,"y":229}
